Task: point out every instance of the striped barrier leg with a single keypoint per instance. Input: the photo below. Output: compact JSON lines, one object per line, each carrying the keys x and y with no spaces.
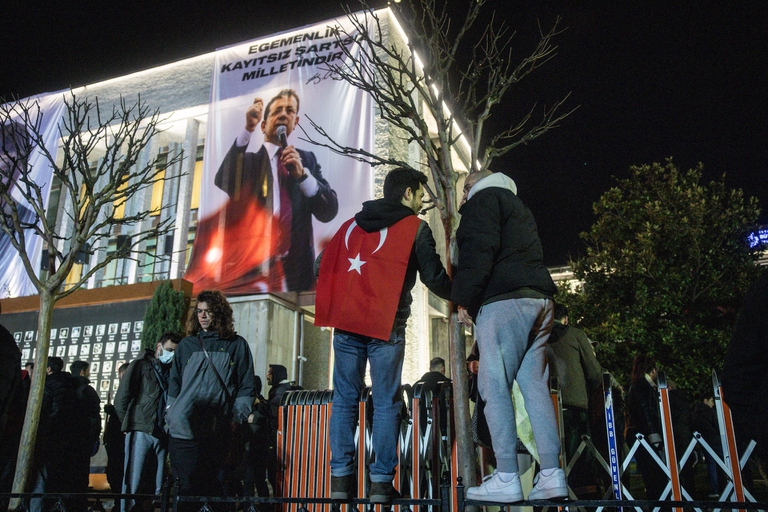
{"x":416,"y":441}
{"x":673,"y":471}
{"x":613,"y":440}
{"x":733,"y":463}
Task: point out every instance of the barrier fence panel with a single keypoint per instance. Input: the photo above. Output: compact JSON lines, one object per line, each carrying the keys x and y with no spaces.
{"x":424,"y":446}
{"x":428,"y":466}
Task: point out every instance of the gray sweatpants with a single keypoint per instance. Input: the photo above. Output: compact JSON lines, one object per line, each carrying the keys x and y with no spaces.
{"x":512,"y":336}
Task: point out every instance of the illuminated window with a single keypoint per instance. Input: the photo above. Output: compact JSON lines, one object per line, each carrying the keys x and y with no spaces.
{"x":74,"y":276}
{"x":119,"y":203}
{"x":197,"y":180}
{"x":157,"y":193}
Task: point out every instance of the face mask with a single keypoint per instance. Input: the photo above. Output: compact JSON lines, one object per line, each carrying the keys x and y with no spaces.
{"x":166,"y":357}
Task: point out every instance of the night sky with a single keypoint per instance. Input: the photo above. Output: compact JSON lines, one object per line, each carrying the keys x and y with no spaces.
{"x":652,"y":80}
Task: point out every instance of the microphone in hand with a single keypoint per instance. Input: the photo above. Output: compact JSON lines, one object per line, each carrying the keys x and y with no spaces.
{"x":282,"y":136}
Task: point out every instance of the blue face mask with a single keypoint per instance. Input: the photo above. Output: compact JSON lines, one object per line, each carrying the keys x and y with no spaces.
{"x":166,"y":357}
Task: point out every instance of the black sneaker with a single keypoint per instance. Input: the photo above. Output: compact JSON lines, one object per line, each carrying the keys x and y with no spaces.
{"x":342,"y":487}
{"x":383,"y":493}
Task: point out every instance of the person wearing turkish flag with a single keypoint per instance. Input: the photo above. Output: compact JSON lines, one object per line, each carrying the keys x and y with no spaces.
{"x":365,"y":278}
{"x":502,"y":284}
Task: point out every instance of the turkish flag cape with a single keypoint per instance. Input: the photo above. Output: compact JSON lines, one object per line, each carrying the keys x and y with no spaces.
{"x":361,"y":277}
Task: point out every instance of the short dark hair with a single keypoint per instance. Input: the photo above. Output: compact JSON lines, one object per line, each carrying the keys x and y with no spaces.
{"x":30,"y":365}
{"x":436,"y":363}
{"x":399,"y":180}
{"x":285,"y":93}
{"x":56,"y":364}
{"x":560,"y":311}
{"x":169,"y":336}
{"x":221,"y":315}
{"x":641,"y":365}
{"x":78,"y":366}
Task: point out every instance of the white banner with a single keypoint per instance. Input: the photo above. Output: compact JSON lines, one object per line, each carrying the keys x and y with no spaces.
{"x":47,"y":110}
{"x":265,"y":211}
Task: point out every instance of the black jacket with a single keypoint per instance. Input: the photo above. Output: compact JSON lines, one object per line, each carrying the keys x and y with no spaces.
{"x":500,"y":255}
{"x":380,"y":214}
{"x":89,"y":406}
{"x":59,"y":433}
{"x":643,"y":409}
{"x":142,"y":394}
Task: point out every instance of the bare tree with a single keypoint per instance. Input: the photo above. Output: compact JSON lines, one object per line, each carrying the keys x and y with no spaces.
{"x":440,"y":100}
{"x":97,"y":194}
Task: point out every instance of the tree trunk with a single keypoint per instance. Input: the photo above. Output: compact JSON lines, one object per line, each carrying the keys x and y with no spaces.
{"x":22,"y":477}
{"x":465,"y":448}
{"x":461,"y":418}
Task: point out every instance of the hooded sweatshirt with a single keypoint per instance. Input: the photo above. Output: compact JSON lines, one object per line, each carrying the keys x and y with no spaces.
{"x":500,"y":254}
{"x":381,"y":213}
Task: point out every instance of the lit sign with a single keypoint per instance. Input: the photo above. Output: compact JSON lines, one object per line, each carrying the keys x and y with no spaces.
{"x":758,"y":237}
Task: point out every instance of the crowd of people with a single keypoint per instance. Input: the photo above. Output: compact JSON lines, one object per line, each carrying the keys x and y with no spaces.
{"x":193,"y":402}
{"x":196,"y":402}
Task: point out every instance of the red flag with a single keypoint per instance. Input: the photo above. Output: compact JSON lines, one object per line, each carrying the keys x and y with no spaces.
{"x":361,"y":277}
{"x":233,"y":248}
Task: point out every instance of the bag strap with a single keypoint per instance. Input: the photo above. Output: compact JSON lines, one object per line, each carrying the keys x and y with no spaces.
{"x":228,"y":395}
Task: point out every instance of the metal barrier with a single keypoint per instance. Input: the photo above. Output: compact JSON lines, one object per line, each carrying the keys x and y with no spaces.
{"x":425,"y":445}
{"x":667,"y":458}
{"x":427,"y":460}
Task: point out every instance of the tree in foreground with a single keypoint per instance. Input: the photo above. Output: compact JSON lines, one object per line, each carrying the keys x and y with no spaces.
{"x":666,"y":269}
{"x":166,"y":313}
{"x":97,"y":195}
{"x":446,"y":83}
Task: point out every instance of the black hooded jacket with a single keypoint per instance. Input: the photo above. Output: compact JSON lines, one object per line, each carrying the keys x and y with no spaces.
{"x":500,"y":255}
{"x":379,"y":214}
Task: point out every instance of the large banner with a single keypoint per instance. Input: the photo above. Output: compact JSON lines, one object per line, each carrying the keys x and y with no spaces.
{"x":21,"y":157}
{"x":269,"y":199}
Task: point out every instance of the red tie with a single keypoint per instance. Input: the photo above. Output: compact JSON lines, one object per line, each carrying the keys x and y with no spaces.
{"x":286,"y":215}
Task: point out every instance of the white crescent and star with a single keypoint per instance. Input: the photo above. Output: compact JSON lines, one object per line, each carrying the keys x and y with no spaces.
{"x":356,"y":263}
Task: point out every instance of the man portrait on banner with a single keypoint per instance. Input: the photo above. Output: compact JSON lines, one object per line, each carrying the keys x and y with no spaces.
{"x":284,"y":181}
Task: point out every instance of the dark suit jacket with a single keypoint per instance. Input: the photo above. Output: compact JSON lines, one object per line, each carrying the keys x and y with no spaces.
{"x":248,"y":175}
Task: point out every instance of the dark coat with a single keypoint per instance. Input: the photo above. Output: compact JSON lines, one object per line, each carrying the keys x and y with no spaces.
{"x":574,"y":364}
{"x":244,"y":175}
{"x":500,"y":255}
{"x":89,"y":406}
{"x":745,"y":370}
{"x":10,"y":374}
{"x":141,"y":395}
{"x":643,"y":409}
{"x":197,"y":403}
{"x":58,"y":433}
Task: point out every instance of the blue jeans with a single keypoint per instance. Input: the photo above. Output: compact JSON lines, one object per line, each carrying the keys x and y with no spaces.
{"x":138,"y":445}
{"x":352,"y":351}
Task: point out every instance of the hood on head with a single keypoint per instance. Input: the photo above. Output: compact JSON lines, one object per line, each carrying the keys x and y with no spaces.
{"x":381,"y":213}
{"x":497,"y":179}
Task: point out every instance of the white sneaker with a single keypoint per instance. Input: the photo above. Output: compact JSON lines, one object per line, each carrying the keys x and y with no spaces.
{"x":549,"y":487}
{"x":493,"y":489}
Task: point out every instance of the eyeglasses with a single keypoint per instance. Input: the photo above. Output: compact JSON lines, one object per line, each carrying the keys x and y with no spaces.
{"x":201,"y":312}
